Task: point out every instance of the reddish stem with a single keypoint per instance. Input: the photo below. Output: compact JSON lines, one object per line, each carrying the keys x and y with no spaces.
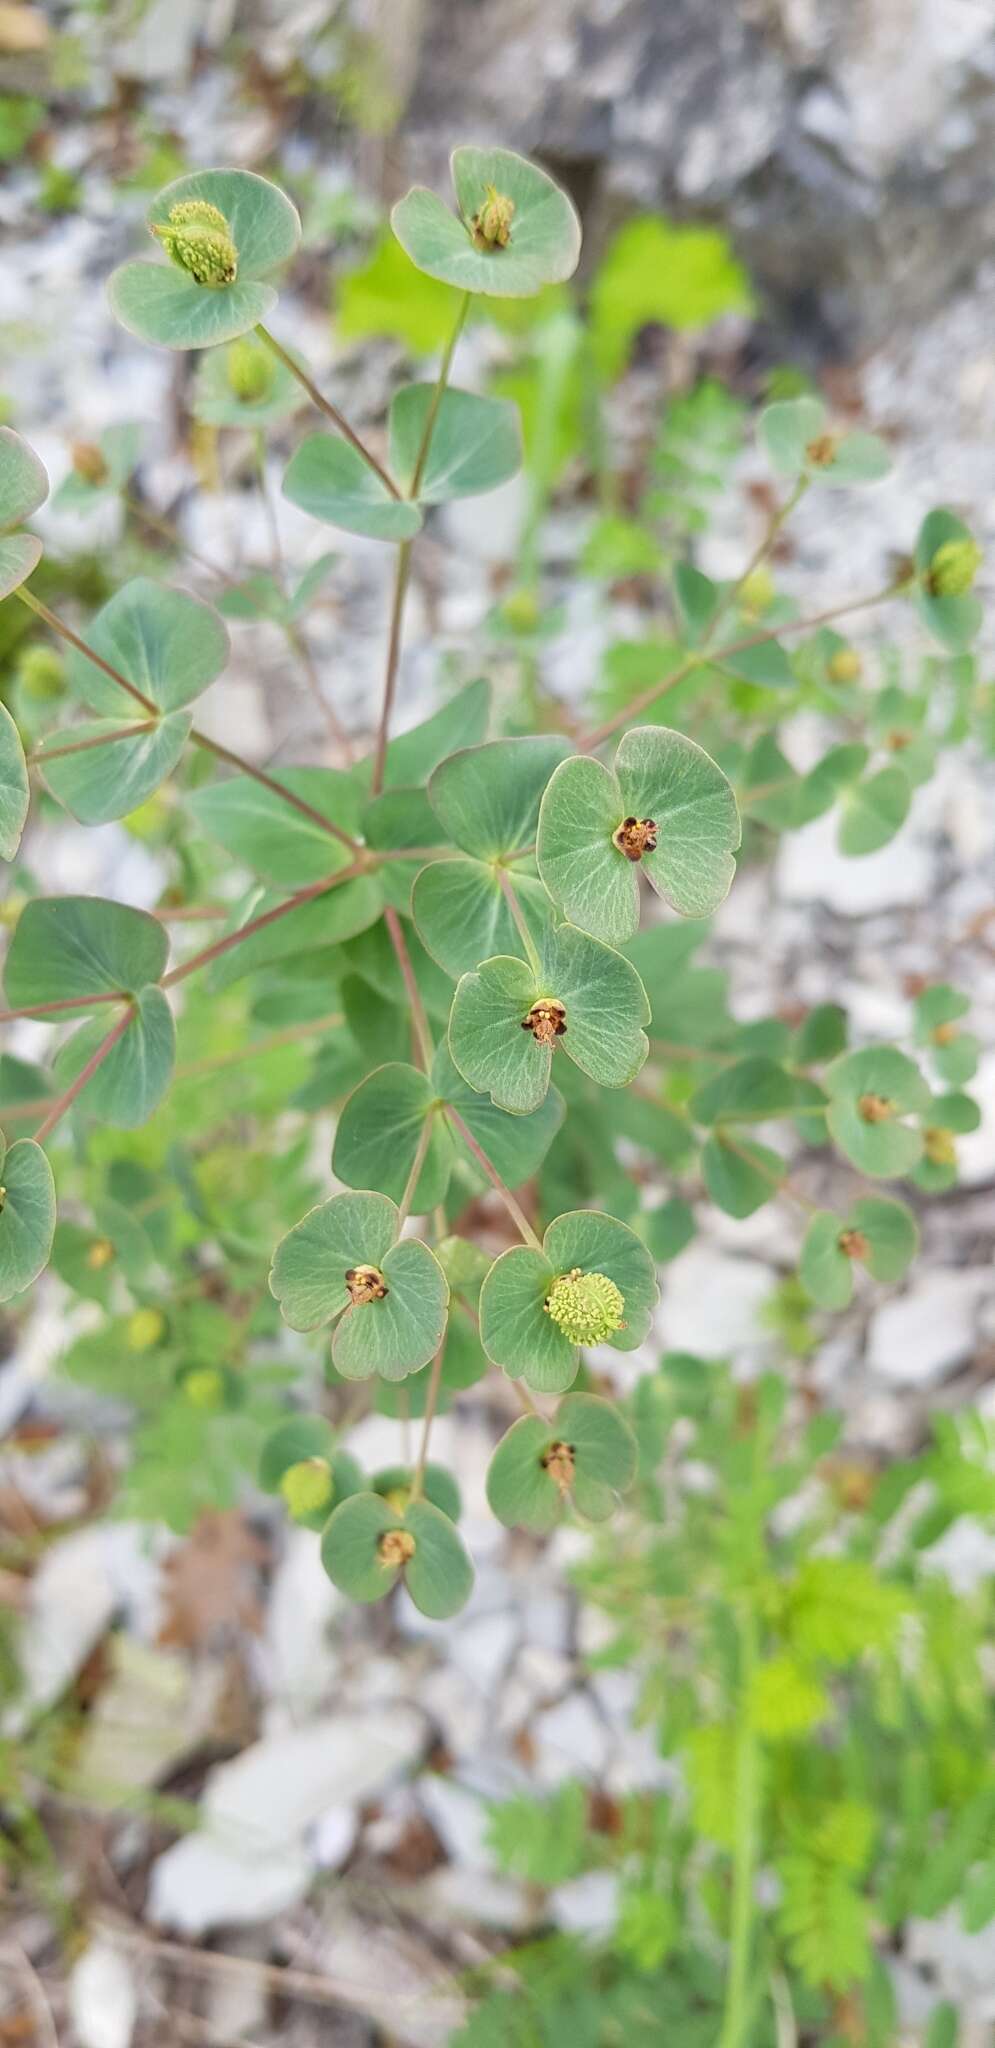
{"x":258,"y":924}
{"x":76,"y":1087}
{"x":418,"y":1017}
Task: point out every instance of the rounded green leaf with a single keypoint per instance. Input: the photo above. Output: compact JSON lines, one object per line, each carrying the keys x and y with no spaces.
{"x":258,"y":827}
{"x":601,"y":1244}
{"x":299,"y":1437}
{"x":439,"y":1577}
{"x":169,"y":645}
{"x":543,"y":243}
{"x":954,"y":619}
{"x":788,"y":428}
{"x":81,"y":946}
{"x":14,"y":789}
{"x":128,"y":1085}
{"x":825,"y":1270}
{"x":27,"y":1215}
{"x":106,"y":778}
{"x":892,"y":1235}
{"x":594,"y":884}
{"x":476,"y":442}
{"x":340,"y":914}
{"x":604,"y":1453}
{"x":394,"y":1483}
{"x":400,"y":1333}
{"x":329,"y":479}
{"x":871,"y":1092}
{"x":794,"y":435}
{"x":379,"y":1131}
{"x":160,"y":304}
{"x":23,"y":480}
{"x":462,"y":913}
{"x":296,"y":1441}
{"x":520,"y":1489}
{"x":265,"y":224}
{"x":515,"y":1145}
{"x":19,"y":554}
{"x":307,"y":1276}
{"x":664,"y":776}
{"x":873,"y":810}
{"x":246,"y":366}
{"x":515,"y":1330}
{"x":740,"y":1176}
{"x":605,"y":1003}
{"x":350,"y":1547}
{"x":488,"y":1044}
{"x":488,"y":798}
{"x":585,"y":1456}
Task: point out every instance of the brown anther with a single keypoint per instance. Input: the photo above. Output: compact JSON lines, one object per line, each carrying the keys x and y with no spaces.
{"x":897,"y":741}
{"x":395,"y":1547}
{"x":944,"y":1034}
{"x":88,"y":462}
{"x":635,"y":836}
{"x":547,"y":1020}
{"x":822,"y":451}
{"x":875,"y":1109}
{"x":853,"y":1244}
{"x":365,"y":1283}
{"x":559,"y":1462}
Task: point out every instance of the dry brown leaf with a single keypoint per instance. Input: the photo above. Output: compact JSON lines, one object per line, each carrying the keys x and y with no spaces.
{"x":22,"y":29}
{"x":212,"y":1583}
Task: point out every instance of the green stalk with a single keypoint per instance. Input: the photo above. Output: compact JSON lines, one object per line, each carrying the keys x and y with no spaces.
{"x":747,"y":1842}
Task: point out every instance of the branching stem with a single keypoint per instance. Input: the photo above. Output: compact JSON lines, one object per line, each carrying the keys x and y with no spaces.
{"x":517,"y":1214}
{"x":331,"y":412}
{"x":258,"y":924}
{"x":75,"y":1088}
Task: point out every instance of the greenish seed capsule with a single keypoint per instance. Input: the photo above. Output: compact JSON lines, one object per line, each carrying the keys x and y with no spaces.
{"x":204,"y":1388}
{"x":250,"y":371}
{"x":307,"y":1487}
{"x":953,"y":568}
{"x":586,"y":1306}
{"x":198,"y":239}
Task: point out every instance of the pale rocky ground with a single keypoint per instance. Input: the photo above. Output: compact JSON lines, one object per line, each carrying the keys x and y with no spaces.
{"x":326,"y":1845}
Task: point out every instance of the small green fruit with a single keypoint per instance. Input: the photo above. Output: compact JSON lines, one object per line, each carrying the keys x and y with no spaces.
{"x":844,"y":665}
{"x":587,"y":1306}
{"x":250,"y":371}
{"x":145,"y":1328}
{"x":198,"y":238}
{"x":953,"y":568}
{"x":307,"y":1487}
{"x":204,"y":1387}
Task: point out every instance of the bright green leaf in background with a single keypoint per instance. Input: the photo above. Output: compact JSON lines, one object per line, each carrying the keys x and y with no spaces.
{"x":543,"y":233}
{"x":388,"y":295}
{"x":660,"y":272}
{"x":659,"y":778}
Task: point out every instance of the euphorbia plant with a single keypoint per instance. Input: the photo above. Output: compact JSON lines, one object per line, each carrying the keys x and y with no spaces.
{"x":452,"y":923}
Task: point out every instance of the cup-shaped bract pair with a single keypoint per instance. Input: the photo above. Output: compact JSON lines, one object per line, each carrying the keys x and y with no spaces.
{"x":375,"y":1539}
{"x":583,"y":1458}
{"x":508,"y":1018}
{"x":515,"y":229}
{"x":301,"y":1461}
{"x":223,"y":234}
{"x":592,"y":1282}
{"x":388,"y":1295}
{"x":665,"y":809}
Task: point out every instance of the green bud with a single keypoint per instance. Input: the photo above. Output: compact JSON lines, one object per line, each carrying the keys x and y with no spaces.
{"x":204,"y":1387}
{"x":145,"y":1328}
{"x":954,"y":566}
{"x":587,"y":1306}
{"x":307,"y":1487}
{"x":198,"y":238}
{"x":844,"y":665}
{"x":41,"y":672}
{"x":250,"y":371}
